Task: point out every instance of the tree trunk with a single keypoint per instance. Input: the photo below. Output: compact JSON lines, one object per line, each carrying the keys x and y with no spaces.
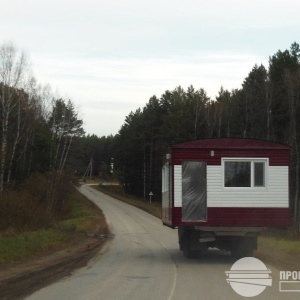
{"x":3,"y":149}
{"x":15,"y":142}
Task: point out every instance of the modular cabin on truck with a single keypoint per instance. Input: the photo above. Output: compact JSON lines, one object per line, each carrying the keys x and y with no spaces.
{"x":222,"y":192}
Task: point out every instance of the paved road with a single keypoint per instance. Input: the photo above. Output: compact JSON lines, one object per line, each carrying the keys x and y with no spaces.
{"x":143,"y":261}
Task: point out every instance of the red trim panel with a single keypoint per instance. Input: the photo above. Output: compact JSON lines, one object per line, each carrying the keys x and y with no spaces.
{"x":239,"y":216}
{"x":276,"y":157}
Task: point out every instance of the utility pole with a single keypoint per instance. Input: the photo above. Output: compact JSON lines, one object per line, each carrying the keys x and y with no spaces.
{"x":89,"y":170}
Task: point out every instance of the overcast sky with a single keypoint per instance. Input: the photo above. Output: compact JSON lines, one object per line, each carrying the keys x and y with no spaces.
{"x":109,"y":57}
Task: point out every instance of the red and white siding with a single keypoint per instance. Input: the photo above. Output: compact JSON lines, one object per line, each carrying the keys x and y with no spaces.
{"x":232,"y":206}
{"x":275,"y":194}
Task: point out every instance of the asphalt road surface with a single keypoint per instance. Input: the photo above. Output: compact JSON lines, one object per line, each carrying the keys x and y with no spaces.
{"x":143,"y":261}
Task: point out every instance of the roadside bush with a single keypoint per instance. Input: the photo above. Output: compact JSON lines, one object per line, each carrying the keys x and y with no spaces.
{"x":38,"y":203}
{"x":22,"y":211}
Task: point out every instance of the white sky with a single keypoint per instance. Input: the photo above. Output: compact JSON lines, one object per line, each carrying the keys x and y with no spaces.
{"x":109,"y":57}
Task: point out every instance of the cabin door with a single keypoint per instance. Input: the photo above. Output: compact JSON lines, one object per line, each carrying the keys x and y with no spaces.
{"x":194,"y":191}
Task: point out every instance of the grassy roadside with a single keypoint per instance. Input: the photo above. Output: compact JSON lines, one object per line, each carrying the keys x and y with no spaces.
{"x":81,"y":218}
{"x":282,"y":253}
{"x":287,"y":246}
{"x":279,"y":247}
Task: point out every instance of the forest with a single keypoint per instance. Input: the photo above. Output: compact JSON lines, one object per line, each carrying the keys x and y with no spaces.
{"x":41,"y":133}
{"x":37,"y":131}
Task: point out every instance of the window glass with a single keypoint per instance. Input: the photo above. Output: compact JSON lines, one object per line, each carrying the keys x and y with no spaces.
{"x":237,"y":174}
{"x":259,"y":174}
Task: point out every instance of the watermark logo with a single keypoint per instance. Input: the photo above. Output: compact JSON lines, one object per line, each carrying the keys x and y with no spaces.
{"x":249,"y":277}
{"x":289,"y":281}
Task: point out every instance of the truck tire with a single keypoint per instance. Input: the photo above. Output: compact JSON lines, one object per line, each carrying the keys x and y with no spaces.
{"x":240,"y":253}
{"x":244,"y":247}
{"x":186,"y":246}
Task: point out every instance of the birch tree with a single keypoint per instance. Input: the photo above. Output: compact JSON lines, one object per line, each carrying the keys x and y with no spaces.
{"x":12,"y":68}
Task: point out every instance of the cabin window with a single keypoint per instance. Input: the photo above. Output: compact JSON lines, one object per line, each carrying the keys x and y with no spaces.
{"x":237,"y":174}
{"x":244,"y":173}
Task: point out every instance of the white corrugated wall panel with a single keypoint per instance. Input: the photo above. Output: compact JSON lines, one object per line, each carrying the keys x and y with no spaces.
{"x":275,"y":194}
{"x":178,"y":186}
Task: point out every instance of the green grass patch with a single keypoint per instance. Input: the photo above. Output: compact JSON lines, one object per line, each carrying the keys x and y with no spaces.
{"x":78,"y":212}
{"x":80,"y":217}
{"x":280,"y":240}
{"x":28,"y":244}
{"x":280,"y":244}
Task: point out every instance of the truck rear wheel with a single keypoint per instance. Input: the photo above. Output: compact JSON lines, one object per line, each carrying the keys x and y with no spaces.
{"x":240,"y":253}
{"x":244,"y":247}
{"x":186,"y":247}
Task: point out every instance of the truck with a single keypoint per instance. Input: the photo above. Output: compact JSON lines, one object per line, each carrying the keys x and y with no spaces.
{"x":223,"y":192}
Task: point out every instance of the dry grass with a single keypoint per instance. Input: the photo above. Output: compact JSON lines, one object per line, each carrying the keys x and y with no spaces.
{"x":27,"y":229}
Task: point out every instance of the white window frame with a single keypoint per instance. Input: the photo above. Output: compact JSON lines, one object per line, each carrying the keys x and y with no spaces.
{"x":252,"y":161}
